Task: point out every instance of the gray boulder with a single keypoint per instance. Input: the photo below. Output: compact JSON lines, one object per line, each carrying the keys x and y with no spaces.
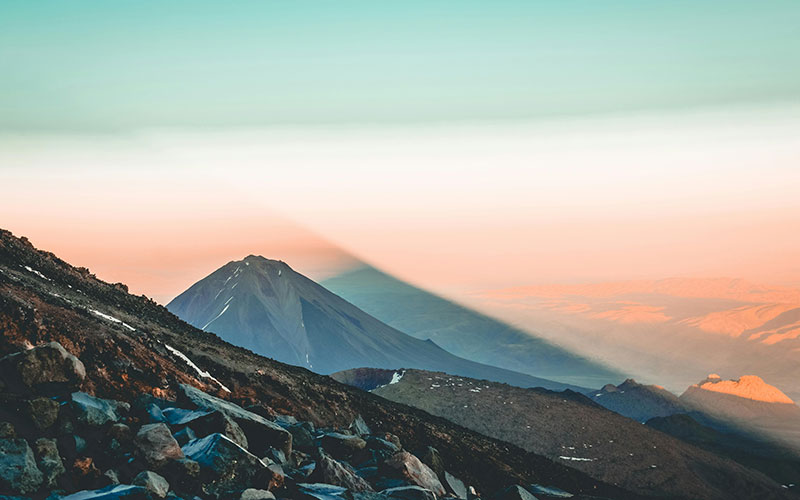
{"x":152,"y":482}
{"x":95,"y":412}
{"x":112,"y":492}
{"x":360,"y":427}
{"x":321,"y":491}
{"x":227,"y":467}
{"x":45,"y":369}
{"x":455,"y":485}
{"x":330,"y":471}
{"x":206,"y":423}
{"x":254,"y":494}
{"x":42,"y":412}
{"x":301,"y":437}
{"x":410,"y":493}
{"x":155,"y":445}
{"x":48,"y":461}
{"x":18,"y":470}
{"x":261,"y":433}
{"x":342,"y":445}
{"x":406,"y":466}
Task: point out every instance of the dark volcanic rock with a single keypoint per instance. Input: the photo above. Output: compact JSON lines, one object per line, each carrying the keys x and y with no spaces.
{"x":432,"y":459}
{"x":226,"y":467}
{"x":7,"y":430}
{"x":41,"y":412}
{"x":155,"y":445}
{"x":154,"y":483}
{"x":454,"y":485}
{"x":342,"y":445}
{"x":321,"y":491}
{"x":410,"y":493}
{"x":96,"y":412}
{"x":112,"y":492}
{"x":330,"y":471}
{"x":48,"y":460}
{"x":261,"y":433}
{"x":406,"y":466}
{"x":255,"y":494}
{"x":218,"y":422}
{"x":301,"y":437}
{"x":515,"y":492}
{"x":44,"y":369}
{"x":18,"y":470}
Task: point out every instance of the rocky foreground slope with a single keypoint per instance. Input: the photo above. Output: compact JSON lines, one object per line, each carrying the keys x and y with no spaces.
{"x":570,"y":428}
{"x":134,"y":351}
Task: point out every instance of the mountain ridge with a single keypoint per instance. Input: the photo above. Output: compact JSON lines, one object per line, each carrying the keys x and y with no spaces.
{"x":268,"y":308}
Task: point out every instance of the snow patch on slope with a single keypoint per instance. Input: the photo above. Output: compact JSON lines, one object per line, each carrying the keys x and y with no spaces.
{"x":202,"y":373}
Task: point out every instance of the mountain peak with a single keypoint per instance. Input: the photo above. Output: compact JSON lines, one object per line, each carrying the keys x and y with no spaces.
{"x":747,"y":386}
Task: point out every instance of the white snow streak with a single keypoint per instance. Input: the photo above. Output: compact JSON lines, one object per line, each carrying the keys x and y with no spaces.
{"x":112,"y":319}
{"x":37,"y":273}
{"x":217,"y":316}
{"x":189,"y":362}
{"x":578,"y":459}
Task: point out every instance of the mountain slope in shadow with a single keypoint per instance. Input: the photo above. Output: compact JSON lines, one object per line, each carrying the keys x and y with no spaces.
{"x":265,"y":306}
{"x":463,"y":331}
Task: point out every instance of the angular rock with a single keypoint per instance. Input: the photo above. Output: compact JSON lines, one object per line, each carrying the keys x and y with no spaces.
{"x":550,"y":491}
{"x":321,"y":491}
{"x":515,"y":492}
{"x":95,"y":412}
{"x":45,"y":369}
{"x":184,"y":435}
{"x":218,"y":422}
{"x":360,"y":427}
{"x":254,"y":494}
{"x":113,"y":492}
{"x":301,"y":437}
{"x":7,"y":430}
{"x":261,"y":433}
{"x":432,"y":459}
{"x":227,"y":467}
{"x":155,"y":445}
{"x":183,"y":475}
{"x":409,"y":468}
{"x":152,"y":482}
{"x":454,"y":485}
{"x":410,"y":493}
{"x":342,"y":445}
{"x":18,"y":470}
{"x":48,"y":461}
{"x":330,"y":471}
{"x":41,"y":412}
{"x":85,"y":474}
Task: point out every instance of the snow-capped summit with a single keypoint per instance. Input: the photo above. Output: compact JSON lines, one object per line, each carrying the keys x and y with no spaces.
{"x":748,"y":387}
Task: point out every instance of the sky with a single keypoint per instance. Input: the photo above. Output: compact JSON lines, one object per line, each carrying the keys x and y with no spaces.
{"x":460,"y":145}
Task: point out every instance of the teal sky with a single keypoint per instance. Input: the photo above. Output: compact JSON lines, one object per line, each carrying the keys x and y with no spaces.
{"x":108,"y":66}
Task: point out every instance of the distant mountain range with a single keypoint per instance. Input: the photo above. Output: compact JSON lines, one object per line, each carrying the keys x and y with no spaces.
{"x":571,"y":429}
{"x":671,"y":331}
{"x":265,"y":306}
{"x":763,"y":419}
{"x":464,"y":331}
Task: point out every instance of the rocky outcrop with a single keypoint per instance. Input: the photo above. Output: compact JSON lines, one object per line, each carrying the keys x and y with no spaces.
{"x":18,"y":470}
{"x":44,"y":369}
{"x":406,"y":466}
{"x":156,"y":446}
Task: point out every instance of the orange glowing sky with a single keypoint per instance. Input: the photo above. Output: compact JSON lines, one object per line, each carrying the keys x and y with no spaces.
{"x":454,"y":207}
